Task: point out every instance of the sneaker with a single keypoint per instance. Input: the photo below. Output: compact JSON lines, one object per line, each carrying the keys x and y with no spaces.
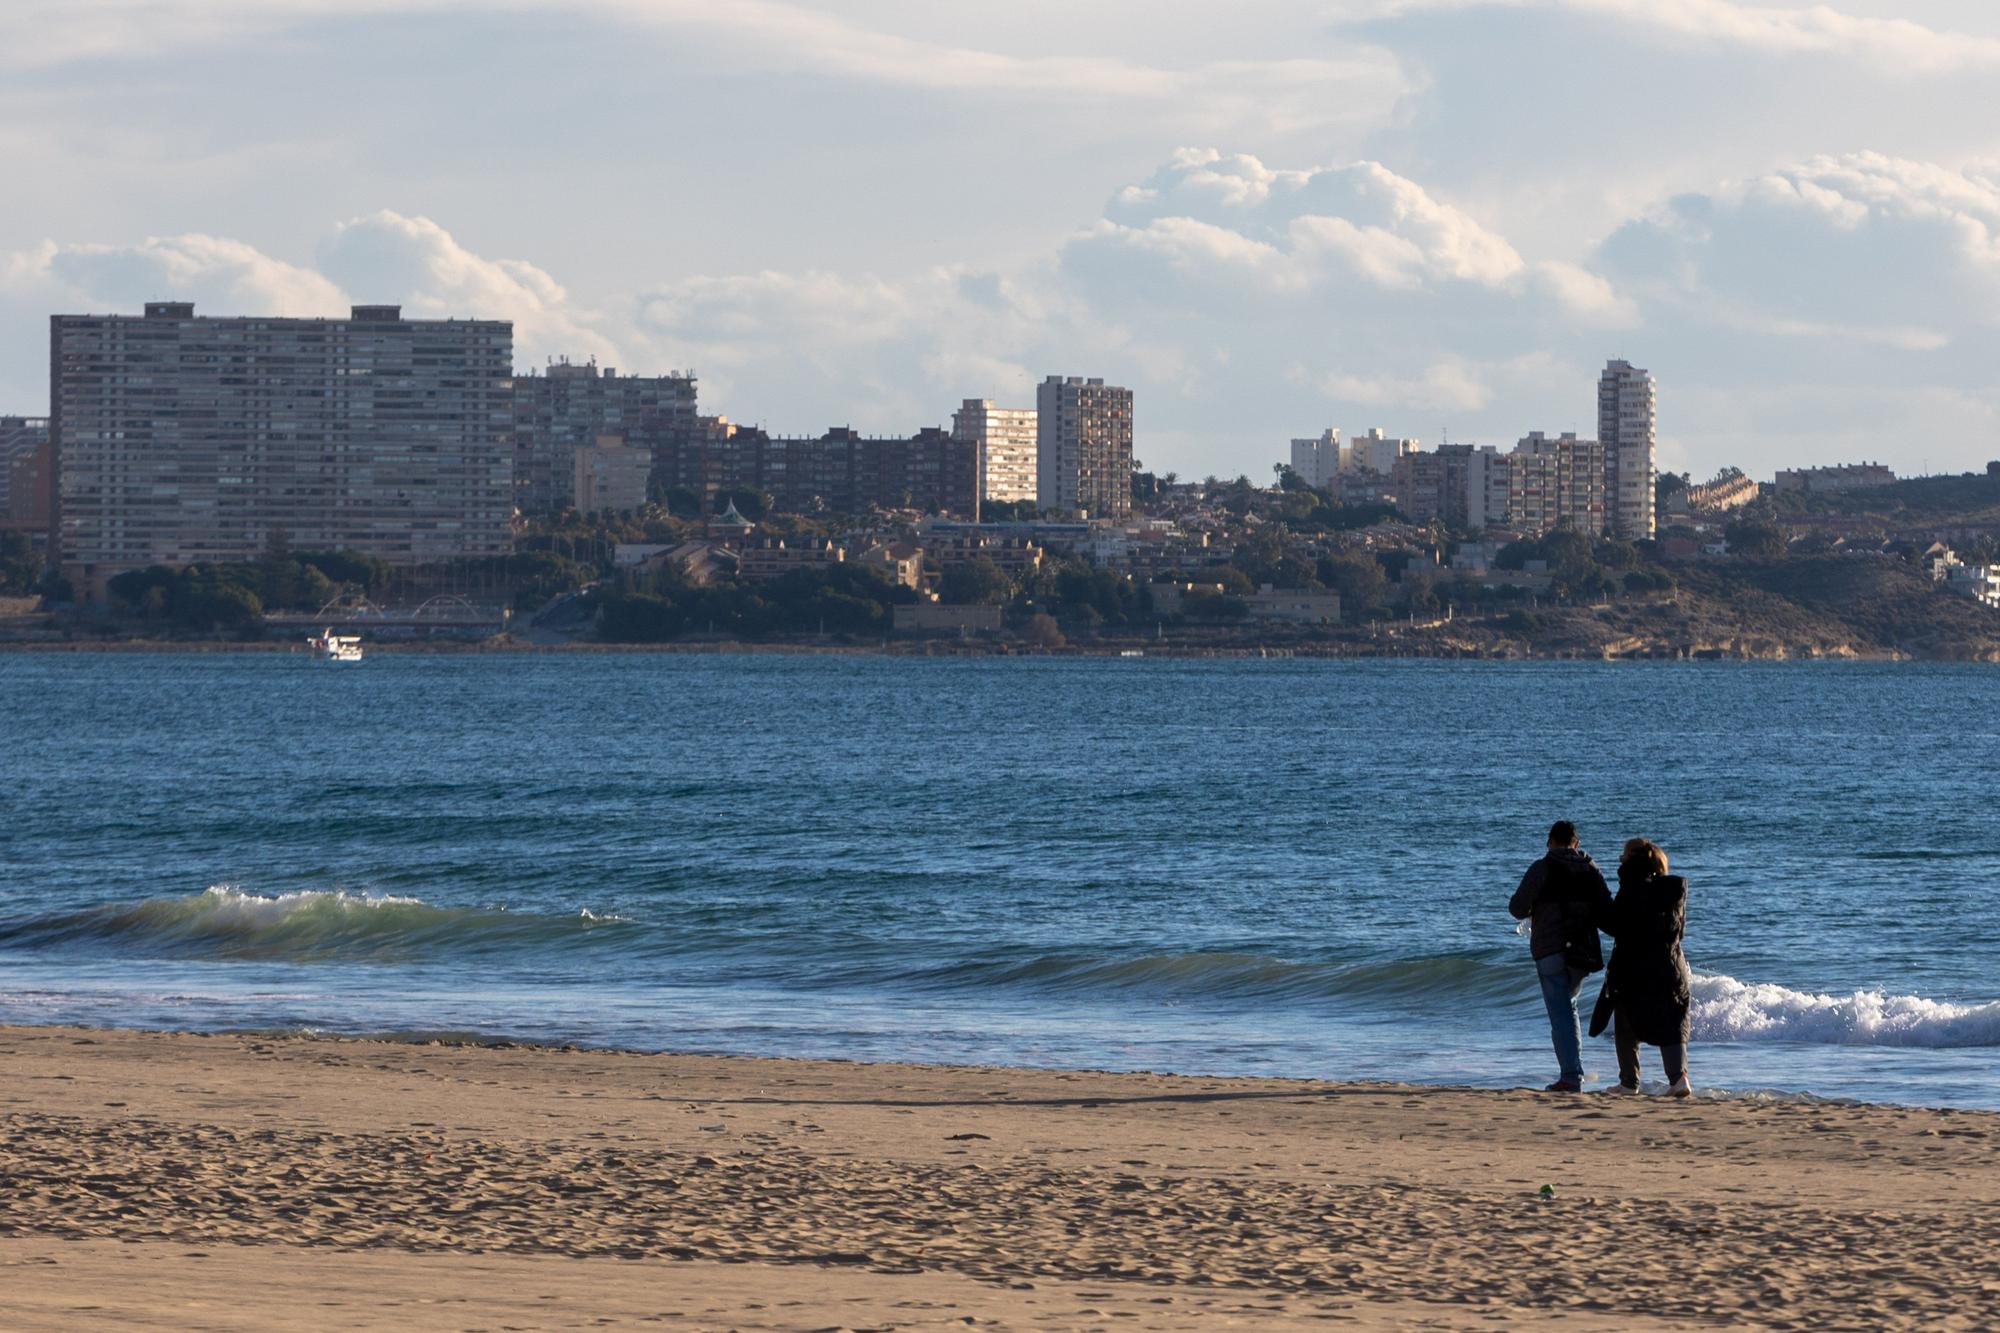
{"x":1680,"y":1087}
{"x":1564,"y":1085}
{"x":1623,"y":1090}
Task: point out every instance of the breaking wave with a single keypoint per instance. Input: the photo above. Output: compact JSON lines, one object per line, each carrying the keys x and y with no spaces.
{"x":305,"y":926}
{"x":327,"y":926}
{"x":1726,"y":1009}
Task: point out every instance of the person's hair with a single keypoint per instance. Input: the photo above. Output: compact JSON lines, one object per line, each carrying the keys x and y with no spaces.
{"x":1646,"y":852}
{"x":1562,"y":833}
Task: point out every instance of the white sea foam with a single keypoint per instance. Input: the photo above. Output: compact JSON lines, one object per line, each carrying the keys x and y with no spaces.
{"x":224,"y":905}
{"x":1726,"y":1009}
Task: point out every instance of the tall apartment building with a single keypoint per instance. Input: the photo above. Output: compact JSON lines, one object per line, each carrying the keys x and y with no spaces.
{"x":1005,"y":437}
{"x":178,"y":438}
{"x":20,"y":437}
{"x":1441,"y":486}
{"x":567,"y":407}
{"x":1319,"y":461}
{"x":1556,"y":483}
{"x":1488,"y":474}
{"x":840,"y":472}
{"x":1083,"y":447}
{"x":1625,"y":409}
{"x":610,"y":474}
{"x":1376,"y":452}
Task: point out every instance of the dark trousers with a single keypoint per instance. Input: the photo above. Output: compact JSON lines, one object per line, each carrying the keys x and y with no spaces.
{"x":1674,"y":1058}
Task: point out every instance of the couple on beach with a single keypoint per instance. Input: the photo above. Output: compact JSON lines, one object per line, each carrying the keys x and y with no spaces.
{"x":1566,"y":901}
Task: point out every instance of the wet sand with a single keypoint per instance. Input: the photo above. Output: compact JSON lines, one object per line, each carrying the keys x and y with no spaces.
{"x":179,"y":1181}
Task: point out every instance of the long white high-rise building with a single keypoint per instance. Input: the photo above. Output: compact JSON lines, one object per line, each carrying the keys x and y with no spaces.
{"x":179,"y":438}
{"x":1006,"y":440}
{"x":1625,"y":404}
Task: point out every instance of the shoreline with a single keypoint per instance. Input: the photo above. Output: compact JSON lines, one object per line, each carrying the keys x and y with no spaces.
{"x":469,"y":1179}
{"x":929,"y":648}
{"x":1597,"y":1083}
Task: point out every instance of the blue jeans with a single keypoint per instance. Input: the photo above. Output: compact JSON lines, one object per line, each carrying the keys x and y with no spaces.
{"x":1560,"y":985}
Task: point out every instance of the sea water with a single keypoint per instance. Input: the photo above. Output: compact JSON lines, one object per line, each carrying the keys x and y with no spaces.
{"x":1250,"y":866}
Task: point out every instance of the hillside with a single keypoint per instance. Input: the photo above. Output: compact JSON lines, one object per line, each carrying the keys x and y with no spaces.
{"x":1970,"y":500}
{"x":1800,"y":606}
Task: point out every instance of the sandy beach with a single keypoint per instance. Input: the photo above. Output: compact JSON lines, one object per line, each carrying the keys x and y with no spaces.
{"x":236,"y":1181}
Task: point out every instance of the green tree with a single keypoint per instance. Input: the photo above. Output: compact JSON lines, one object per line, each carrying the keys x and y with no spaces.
{"x":1235,"y":583}
{"x":1358,"y":579}
{"x":1754,"y":537}
{"x":977,"y":582}
{"x":21,"y":566}
{"x":1292,"y":572}
{"x":751,"y":504}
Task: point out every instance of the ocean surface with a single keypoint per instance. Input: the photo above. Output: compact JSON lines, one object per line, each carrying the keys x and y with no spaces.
{"x":1254,"y":867}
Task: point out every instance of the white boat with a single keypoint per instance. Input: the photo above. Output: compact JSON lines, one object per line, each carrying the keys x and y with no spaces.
{"x":330,"y":647}
{"x":1132,"y":652}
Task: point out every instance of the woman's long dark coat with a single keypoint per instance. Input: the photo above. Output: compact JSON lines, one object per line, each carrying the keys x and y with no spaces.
{"x":1648,"y":974}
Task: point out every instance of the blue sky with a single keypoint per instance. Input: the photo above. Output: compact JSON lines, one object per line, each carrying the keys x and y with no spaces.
{"x":1267,"y":218}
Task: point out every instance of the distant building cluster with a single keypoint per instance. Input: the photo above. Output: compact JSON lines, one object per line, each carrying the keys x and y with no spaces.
{"x":1969,"y":578}
{"x":1597,"y":485}
{"x":1823,"y":480}
{"x":1729,"y":490}
{"x":175,"y":438}
{"x":839,"y":472}
{"x":571,"y":407}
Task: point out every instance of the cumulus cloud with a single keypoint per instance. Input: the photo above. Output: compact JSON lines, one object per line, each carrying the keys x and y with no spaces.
{"x":216,"y":273}
{"x":1228,"y":230}
{"x":417,"y":263}
{"x":799,"y":351}
{"x":1245,"y":302}
{"x":384,"y":258}
{"x":210,"y":270}
{"x":1862,"y":246}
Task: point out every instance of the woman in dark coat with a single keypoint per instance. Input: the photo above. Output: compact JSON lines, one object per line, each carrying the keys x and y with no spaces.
{"x":1647,"y":978}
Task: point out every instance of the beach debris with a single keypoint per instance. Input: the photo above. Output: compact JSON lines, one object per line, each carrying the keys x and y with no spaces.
{"x":961,"y":1138}
{"x":715,"y":1129}
{"x":1548,"y":1191}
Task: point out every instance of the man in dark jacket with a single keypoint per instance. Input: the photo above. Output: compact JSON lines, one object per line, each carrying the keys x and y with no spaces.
{"x":1565,"y":899}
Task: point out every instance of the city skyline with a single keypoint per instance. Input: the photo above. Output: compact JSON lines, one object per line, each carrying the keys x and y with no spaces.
{"x":1263,"y":221}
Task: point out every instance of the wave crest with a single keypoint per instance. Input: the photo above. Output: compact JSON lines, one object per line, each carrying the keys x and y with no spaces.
{"x":304,"y":926}
{"x":1726,"y":1009}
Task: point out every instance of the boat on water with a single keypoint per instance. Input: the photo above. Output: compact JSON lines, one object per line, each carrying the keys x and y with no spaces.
{"x":330,"y":647}
{"x":1132,"y":652}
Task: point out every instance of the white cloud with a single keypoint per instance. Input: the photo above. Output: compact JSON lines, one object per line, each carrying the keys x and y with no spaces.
{"x":1864,"y":247}
{"x":1210,"y":220}
{"x":1356,"y":84}
{"x":1584,"y":295}
{"x":382,"y":258}
{"x":1244,"y":302}
{"x":210,"y":270}
{"x":1898,"y":47}
{"x":1448,"y":386}
{"x":417,"y":263}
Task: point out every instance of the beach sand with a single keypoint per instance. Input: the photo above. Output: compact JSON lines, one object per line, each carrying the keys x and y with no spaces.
{"x":180,"y":1181}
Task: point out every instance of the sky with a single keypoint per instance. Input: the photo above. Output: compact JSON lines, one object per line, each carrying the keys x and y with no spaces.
{"x":1439,"y":217}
